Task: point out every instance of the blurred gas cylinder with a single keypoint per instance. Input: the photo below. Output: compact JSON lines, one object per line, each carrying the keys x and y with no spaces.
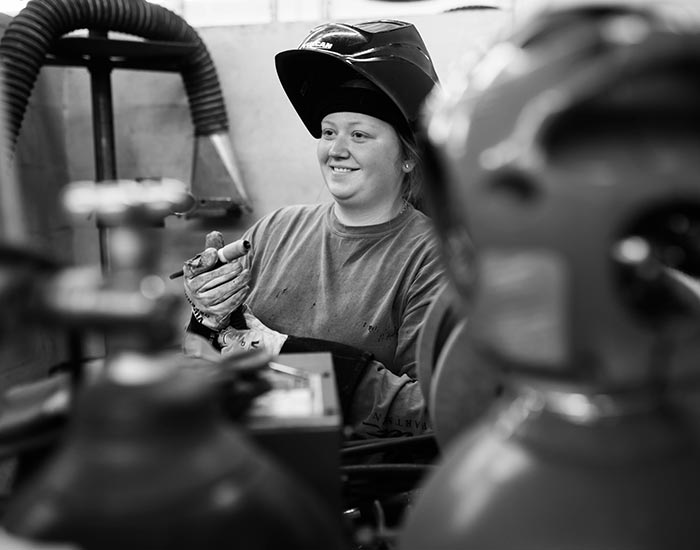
{"x":149,"y":461}
{"x":568,"y":157}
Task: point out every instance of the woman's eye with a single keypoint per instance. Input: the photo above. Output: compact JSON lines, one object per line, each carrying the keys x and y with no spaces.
{"x":359,"y":135}
{"x":327,"y":132}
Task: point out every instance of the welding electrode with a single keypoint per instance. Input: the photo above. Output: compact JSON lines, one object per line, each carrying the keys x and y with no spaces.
{"x":226,"y":254}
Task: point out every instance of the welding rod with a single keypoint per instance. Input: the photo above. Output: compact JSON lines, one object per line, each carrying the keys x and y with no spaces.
{"x":226,"y":254}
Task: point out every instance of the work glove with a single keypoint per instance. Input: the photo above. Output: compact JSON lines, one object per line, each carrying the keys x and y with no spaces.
{"x":214,"y":290}
{"x":256,"y":336}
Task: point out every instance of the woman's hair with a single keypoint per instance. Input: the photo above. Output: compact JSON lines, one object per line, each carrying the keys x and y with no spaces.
{"x":413,"y":181}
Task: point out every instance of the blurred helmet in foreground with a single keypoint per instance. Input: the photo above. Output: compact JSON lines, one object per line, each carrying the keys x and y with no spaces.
{"x":568,"y":159}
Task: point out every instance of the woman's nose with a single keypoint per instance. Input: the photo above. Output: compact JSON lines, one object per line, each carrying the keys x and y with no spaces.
{"x":339,"y":148}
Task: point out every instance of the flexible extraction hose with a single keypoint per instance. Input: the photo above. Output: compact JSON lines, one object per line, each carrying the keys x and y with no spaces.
{"x":32,"y":33}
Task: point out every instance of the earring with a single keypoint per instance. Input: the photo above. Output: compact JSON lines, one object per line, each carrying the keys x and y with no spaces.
{"x":406,"y":166}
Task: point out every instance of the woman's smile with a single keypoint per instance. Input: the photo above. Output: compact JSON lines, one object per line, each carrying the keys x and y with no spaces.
{"x":342,"y":169}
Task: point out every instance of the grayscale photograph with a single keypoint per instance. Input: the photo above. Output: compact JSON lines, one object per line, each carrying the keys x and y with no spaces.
{"x":350,"y":275}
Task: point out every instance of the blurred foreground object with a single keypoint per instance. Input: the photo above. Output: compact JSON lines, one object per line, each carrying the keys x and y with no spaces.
{"x":568,"y":157}
{"x":150,"y":463}
{"x":149,"y":460}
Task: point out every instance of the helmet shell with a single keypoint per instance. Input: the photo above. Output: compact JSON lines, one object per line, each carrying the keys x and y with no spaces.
{"x":564,"y":141}
{"x":390,"y":54}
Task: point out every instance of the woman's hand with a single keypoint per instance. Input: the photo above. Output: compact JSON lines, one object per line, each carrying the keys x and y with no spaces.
{"x":257,"y":336}
{"x":213,"y":289}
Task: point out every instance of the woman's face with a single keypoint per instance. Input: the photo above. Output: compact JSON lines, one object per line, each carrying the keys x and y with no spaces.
{"x":360,"y":158}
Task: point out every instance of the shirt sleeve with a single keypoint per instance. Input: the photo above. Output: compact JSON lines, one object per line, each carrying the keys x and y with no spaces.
{"x":427,"y":283}
{"x":390,"y":404}
{"x":387,"y":405}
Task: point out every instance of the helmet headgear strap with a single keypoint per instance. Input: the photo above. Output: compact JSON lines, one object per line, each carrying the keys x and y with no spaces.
{"x":361,"y":96}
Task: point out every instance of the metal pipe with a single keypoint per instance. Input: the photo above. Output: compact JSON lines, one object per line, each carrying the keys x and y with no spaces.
{"x":13,"y":226}
{"x":103,"y":135}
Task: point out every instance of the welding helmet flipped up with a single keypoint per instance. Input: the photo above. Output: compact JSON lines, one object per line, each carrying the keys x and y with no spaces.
{"x":567,"y":158}
{"x":391,"y":55}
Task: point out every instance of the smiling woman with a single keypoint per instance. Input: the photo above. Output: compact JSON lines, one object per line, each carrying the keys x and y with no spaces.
{"x":355,"y":276}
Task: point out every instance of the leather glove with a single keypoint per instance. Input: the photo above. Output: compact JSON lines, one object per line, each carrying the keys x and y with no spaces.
{"x":214,"y":290}
{"x":257,"y":336}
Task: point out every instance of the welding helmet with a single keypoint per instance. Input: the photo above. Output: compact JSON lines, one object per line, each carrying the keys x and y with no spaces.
{"x":564,"y":173}
{"x":389,"y":56}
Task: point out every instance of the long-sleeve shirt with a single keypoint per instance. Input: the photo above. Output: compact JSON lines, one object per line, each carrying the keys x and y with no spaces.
{"x":367,"y":287}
